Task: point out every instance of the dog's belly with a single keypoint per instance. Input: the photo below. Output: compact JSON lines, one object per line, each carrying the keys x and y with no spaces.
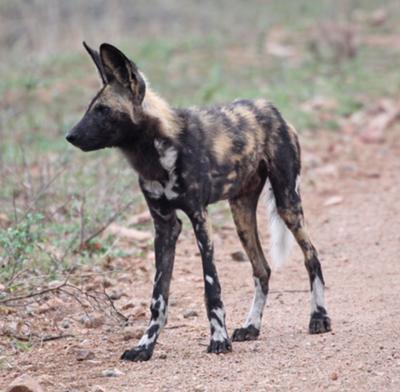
{"x":231,"y":182}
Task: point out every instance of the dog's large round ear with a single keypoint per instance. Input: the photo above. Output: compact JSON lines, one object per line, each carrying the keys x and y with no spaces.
{"x":117,"y":66}
{"x":94,"y":54}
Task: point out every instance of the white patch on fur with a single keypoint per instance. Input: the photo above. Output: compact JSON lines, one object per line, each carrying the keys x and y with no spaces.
{"x":169,"y":193}
{"x":168,"y":157}
{"x":145,"y":340}
{"x":160,"y":322}
{"x":209,"y":279}
{"x":281,"y":237}
{"x":257,"y":307}
{"x":220,"y":333}
{"x":200,"y":246}
{"x":154,"y":188}
{"x":317,"y":295}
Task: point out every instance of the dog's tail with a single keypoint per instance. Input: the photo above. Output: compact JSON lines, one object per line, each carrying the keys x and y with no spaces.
{"x":281,"y":237}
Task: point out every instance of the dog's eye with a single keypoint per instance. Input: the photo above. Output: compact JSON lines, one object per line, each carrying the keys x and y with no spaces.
{"x":102,"y":109}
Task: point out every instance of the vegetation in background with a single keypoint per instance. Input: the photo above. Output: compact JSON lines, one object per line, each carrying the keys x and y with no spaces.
{"x":319,"y":62}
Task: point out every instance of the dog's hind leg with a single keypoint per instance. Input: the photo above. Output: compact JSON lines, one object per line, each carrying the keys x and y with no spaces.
{"x":284,"y":172}
{"x":245,"y":218}
{"x":290,"y":209}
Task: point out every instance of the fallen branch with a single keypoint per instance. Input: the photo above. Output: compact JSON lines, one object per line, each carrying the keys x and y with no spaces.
{"x":177,"y":326}
{"x":70,"y":290}
{"x":46,"y":338}
{"x":111,"y":302}
{"x":49,"y":338}
{"x":30,"y":295}
{"x":44,"y":291}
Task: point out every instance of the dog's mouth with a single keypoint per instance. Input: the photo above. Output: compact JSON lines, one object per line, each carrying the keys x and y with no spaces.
{"x":87,"y":148}
{"x":83,"y":145}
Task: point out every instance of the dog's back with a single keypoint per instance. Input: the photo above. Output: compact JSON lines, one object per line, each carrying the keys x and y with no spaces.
{"x":224,"y":146}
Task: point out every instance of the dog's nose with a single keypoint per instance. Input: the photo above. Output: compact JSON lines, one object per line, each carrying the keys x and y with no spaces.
{"x":71,"y":137}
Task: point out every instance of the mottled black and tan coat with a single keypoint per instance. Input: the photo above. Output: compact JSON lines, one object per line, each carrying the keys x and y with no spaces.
{"x":187,"y":159}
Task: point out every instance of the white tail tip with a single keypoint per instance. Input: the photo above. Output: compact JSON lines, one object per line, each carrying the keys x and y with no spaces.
{"x":281,"y":237}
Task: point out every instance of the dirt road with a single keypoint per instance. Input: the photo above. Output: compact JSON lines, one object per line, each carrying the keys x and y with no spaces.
{"x":351,"y":196}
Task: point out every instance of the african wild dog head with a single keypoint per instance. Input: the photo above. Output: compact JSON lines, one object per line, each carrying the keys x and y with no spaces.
{"x":115,"y":114}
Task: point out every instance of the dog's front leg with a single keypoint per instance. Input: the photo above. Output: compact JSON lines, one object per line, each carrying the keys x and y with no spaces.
{"x":167,"y":228}
{"x":219,"y":342}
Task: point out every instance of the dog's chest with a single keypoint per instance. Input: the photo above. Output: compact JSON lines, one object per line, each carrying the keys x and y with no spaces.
{"x":168,"y":156}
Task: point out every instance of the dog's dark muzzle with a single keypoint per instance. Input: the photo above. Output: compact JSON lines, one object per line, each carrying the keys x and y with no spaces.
{"x":77,"y":137}
{"x":72,"y":137}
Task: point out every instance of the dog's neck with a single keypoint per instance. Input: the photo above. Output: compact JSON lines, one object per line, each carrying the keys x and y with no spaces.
{"x":142,"y":154}
{"x":159,"y":123}
{"x":170,"y":124}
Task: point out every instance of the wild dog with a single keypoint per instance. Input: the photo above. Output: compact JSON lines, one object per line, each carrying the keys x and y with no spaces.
{"x":187,"y":159}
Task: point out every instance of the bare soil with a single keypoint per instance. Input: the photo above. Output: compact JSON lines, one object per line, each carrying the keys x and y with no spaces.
{"x":351,"y":197}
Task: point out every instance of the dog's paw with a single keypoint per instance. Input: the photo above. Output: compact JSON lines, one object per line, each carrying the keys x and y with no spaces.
{"x":247,"y":333}
{"x":137,"y":354}
{"x":219,"y":347}
{"x":319,"y":323}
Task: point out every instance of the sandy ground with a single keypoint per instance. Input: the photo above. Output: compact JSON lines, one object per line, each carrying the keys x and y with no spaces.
{"x":358,"y":236}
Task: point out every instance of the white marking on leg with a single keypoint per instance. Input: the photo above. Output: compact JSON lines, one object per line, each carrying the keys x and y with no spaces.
{"x":317,"y":295}
{"x":257,"y":307}
{"x":162,"y":311}
{"x":200,"y":245}
{"x":217,"y":321}
{"x":146,"y":341}
{"x":159,"y":321}
{"x":209,"y":279}
{"x":158,"y":278}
